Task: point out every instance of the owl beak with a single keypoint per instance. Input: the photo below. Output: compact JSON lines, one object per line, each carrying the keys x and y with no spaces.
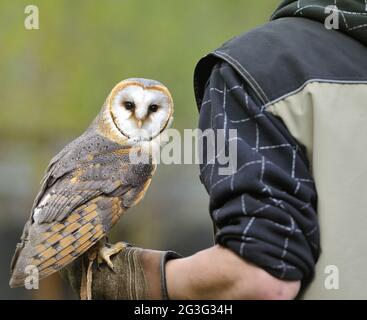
{"x":140,"y":123}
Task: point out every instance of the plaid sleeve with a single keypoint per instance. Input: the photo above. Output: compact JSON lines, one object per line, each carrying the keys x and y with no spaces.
{"x":265,"y":210}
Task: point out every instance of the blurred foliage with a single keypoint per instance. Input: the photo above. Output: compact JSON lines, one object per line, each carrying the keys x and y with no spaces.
{"x":55,"y":79}
{"x":53,"y":82}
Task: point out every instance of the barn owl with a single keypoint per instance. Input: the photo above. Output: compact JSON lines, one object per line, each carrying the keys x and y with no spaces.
{"x":92,"y":181}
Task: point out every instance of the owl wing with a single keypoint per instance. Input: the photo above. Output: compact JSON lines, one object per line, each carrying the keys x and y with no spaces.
{"x":81,"y":198}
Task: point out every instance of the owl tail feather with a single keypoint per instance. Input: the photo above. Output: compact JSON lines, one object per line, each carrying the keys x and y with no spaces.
{"x":50,"y":247}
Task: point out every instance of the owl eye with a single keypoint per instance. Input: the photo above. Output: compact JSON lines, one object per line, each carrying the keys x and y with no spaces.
{"x":153,"y":108}
{"x":129,"y":105}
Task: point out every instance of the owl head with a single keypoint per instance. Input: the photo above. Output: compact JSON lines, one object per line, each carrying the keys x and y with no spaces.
{"x":140,"y":109}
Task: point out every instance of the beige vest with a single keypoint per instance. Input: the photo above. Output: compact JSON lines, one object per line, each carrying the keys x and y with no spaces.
{"x":330,"y":120}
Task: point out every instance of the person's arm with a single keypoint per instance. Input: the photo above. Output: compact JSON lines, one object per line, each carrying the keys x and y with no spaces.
{"x":264,"y":210}
{"x":218,"y":273}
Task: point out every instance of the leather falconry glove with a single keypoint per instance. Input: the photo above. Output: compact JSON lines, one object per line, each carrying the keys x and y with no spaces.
{"x":137,"y":274}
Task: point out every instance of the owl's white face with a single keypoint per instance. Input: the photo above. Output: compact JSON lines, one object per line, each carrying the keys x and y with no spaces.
{"x":141,"y":112}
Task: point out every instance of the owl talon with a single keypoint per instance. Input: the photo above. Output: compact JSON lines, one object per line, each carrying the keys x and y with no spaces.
{"x":107,"y":251}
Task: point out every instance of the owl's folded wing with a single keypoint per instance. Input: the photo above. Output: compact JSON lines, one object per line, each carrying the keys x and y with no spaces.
{"x":75,"y":208}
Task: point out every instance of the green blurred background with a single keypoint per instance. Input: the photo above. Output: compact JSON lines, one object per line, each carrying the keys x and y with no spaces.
{"x":54,"y":80}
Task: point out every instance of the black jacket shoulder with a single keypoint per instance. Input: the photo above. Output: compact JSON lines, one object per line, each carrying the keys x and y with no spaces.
{"x":283,"y":55}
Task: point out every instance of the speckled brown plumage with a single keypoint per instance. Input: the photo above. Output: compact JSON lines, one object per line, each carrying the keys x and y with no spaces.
{"x":88,"y":187}
{"x":91,"y":182}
